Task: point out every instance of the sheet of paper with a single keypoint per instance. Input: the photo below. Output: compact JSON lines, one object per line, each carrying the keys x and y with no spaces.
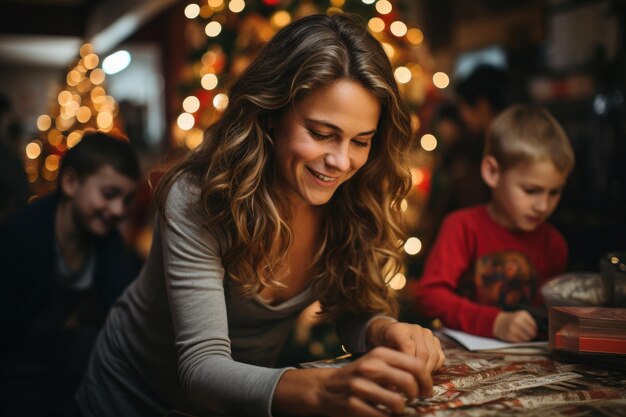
{"x":475,"y":343}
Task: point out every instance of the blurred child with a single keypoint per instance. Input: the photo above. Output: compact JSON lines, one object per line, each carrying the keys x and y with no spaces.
{"x":488,"y":262}
{"x":63,"y":265}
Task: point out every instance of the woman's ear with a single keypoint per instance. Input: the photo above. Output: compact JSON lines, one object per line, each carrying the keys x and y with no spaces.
{"x":69,"y":182}
{"x":490,"y":171}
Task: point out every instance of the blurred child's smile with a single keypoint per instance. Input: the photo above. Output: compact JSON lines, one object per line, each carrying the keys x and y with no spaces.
{"x":101,"y":199}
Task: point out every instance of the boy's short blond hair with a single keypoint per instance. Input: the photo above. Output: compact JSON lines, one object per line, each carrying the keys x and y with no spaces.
{"x":524,"y":134}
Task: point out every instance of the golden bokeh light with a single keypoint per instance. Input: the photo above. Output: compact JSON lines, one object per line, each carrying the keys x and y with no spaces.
{"x":206,"y":11}
{"x":52,"y":135}
{"x":56,"y":140}
{"x":404,"y":204}
{"x":73,"y":138}
{"x":236,"y":6}
{"x":91,"y":61}
{"x":376,"y":24}
{"x":80,"y":67}
{"x":417,"y":176}
{"x":280,"y":19}
{"x":441,"y":80}
{"x":84,"y":85}
{"x":383,"y":7}
{"x":220,"y":101}
{"x":194,"y":138}
{"x":397,"y":282}
{"x":428,"y":142}
{"x":209,"y":81}
{"x":415,"y":36}
{"x":402,"y":75}
{"x":216,"y":4}
{"x":212,"y":29}
{"x":191,"y":104}
{"x":413,"y":246}
{"x":73,"y":78}
{"x":398,"y":28}
{"x":52,"y":162}
{"x":86,"y":49}
{"x":97,"y":94}
{"x":185,"y":121}
{"x":104,"y":120}
{"x":33,"y":149}
{"x":83,"y":114}
{"x":64,"y":97}
{"x":97,"y":76}
{"x":192,"y":11}
{"x":64,"y":124}
{"x":44,"y":122}
{"x":67,"y":112}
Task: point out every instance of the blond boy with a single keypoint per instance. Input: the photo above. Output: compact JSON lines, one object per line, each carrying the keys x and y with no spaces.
{"x":488,"y":262}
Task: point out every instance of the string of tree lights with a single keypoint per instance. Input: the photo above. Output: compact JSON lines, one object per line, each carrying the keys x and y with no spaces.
{"x":225,"y":36}
{"x":82,"y":104}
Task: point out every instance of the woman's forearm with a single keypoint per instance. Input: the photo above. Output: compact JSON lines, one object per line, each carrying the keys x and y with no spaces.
{"x":298,"y":392}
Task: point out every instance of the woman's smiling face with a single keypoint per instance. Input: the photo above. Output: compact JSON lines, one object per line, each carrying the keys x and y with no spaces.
{"x":324,"y":139}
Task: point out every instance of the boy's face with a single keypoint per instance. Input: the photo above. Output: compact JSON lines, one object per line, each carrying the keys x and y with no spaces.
{"x":524,"y":196}
{"x":99,"y":201}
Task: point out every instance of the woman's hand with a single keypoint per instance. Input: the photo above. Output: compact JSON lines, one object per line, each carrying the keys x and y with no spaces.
{"x":388,"y":376}
{"x":408,"y":338}
{"x":381,"y":379}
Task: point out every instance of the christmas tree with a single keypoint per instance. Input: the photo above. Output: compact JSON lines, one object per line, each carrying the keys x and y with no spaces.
{"x":81,"y":105}
{"x":224,"y":37}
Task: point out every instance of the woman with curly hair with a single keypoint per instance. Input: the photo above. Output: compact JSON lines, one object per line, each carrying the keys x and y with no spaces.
{"x":293,"y":197}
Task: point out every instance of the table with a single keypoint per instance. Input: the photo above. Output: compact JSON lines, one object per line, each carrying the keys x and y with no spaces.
{"x":500,"y":384}
{"x":473,"y":384}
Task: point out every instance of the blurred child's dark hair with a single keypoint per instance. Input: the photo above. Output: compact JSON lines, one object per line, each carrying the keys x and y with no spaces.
{"x":485,"y":81}
{"x":97,"y":149}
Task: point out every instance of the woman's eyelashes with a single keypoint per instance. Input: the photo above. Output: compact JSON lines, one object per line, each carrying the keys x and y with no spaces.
{"x":320,"y":136}
{"x":360,"y":143}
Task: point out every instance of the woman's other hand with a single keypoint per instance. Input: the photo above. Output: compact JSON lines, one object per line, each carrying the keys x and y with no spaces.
{"x":380,"y":381}
{"x":408,"y":338}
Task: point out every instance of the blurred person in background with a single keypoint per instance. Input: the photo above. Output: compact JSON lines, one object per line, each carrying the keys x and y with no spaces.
{"x":63,"y":265}
{"x":14,"y":189}
{"x":481,"y":96}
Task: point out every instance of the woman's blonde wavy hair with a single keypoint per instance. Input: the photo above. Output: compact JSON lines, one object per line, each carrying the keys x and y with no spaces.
{"x":235,"y":169}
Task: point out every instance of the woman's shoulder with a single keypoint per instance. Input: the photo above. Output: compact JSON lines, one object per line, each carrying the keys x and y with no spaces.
{"x":182,"y":200}
{"x":183,"y":207}
{"x":183,"y":193}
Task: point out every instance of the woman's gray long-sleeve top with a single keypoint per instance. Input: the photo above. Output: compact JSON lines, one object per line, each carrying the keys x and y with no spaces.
{"x":182,"y":337}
